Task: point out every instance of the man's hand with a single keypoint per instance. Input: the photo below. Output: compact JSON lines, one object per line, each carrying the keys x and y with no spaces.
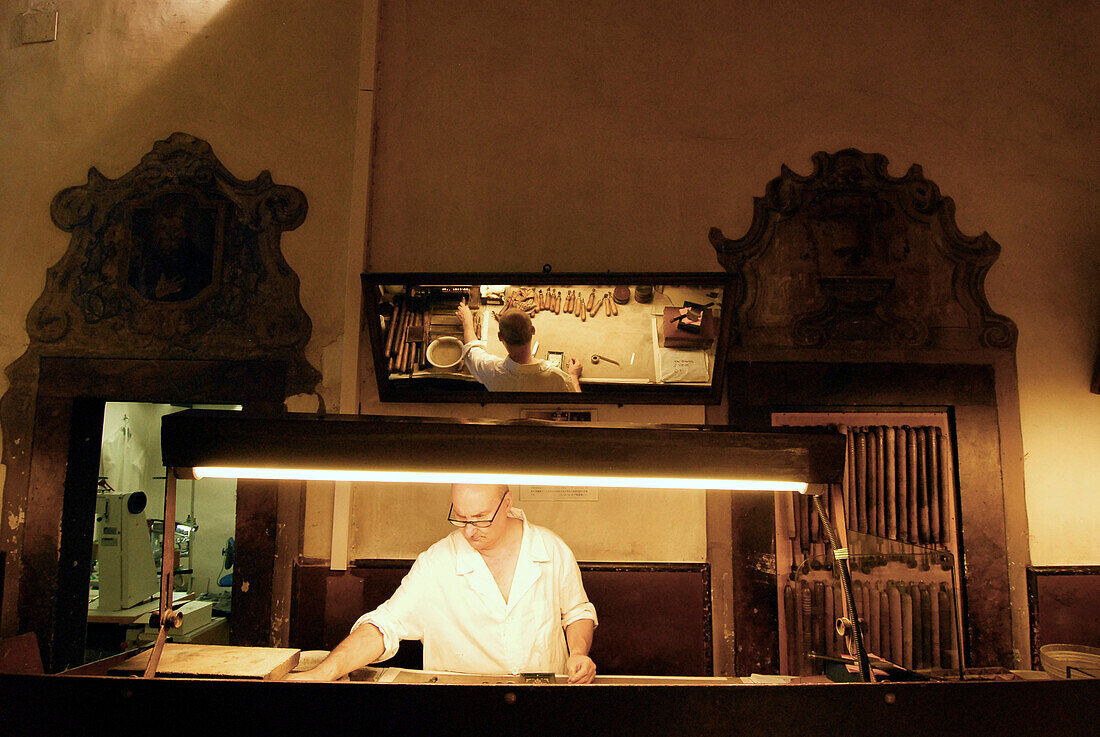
{"x":574,"y":370}
{"x":464,"y":313}
{"x":305,"y":675}
{"x":580,"y":668}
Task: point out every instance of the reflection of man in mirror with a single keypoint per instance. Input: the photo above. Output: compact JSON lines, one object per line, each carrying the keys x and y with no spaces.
{"x":173,"y":258}
{"x":520,"y":371}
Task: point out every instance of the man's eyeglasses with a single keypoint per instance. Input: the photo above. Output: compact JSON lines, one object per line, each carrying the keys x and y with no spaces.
{"x":479,"y":523}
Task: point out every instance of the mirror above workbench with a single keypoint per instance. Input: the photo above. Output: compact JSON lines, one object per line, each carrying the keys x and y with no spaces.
{"x":635,"y":337}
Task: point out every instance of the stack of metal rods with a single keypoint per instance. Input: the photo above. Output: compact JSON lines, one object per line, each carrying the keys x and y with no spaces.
{"x":900,"y":484}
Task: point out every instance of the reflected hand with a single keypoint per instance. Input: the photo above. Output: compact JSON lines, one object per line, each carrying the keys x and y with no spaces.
{"x":580,"y":669}
{"x":464,"y":313}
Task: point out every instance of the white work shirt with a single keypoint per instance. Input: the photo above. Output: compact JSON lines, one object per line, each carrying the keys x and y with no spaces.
{"x":451,"y":602}
{"x":505,"y":375}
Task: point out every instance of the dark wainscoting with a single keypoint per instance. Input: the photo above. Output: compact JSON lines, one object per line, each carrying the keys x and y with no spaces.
{"x":1063,"y":603}
{"x":655,"y":618}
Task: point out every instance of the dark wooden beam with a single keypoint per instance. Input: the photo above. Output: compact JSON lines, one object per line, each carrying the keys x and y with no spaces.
{"x":525,"y":446}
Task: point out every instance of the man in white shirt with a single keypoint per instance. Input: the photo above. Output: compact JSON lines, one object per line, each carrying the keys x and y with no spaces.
{"x":520,"y":371}
{"x":499,"y":596}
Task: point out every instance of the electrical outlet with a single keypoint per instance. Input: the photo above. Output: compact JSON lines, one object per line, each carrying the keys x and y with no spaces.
{"x":38,"y":26}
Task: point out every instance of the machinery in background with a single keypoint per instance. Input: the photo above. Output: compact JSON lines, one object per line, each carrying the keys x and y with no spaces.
{"x":127,"y":573}
{"x":223,"y":600}
{"x":181,"y":549}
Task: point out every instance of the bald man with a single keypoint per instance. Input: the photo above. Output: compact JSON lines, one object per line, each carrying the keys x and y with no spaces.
{"x":498,"y":596}
{"x":520,"y":371}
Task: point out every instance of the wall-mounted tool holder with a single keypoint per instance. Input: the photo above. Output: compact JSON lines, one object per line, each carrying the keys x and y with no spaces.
{"x":899,"y":498}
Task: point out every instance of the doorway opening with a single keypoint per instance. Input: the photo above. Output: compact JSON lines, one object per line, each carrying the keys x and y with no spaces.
{"x":124,"y":585}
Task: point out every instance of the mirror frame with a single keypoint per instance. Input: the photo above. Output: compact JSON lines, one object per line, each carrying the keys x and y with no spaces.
{"x":372,"y":348}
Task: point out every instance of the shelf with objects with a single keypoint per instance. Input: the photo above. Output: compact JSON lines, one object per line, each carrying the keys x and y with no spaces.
{"x":638,"y":338}
{"x":899,"y":500}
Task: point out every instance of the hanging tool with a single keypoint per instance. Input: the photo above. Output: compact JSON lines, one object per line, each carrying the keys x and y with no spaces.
{"x":889,"y":482}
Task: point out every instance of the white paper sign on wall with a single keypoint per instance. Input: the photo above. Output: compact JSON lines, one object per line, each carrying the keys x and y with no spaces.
{"x":559,"y":493}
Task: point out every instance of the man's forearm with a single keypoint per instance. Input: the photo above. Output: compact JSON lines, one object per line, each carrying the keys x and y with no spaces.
{"x":578,"y":636}
{"x":469,"y":335}
{"x":362,"y":647}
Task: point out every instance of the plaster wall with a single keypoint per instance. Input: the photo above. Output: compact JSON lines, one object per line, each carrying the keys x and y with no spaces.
{"x":593,"y":135}
{"x":618,"y":525}
{"x":269,"y":85}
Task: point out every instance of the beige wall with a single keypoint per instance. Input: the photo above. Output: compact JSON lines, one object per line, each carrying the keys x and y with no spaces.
{"x":593,"y":135}
{"x":619,"y":525}
{"x":400,"y":520}
{"x":270,"y":85}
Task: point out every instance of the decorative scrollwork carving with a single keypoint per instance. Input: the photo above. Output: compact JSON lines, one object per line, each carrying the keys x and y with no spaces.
{"x":176,"y":258}
{"x":852,"y":255}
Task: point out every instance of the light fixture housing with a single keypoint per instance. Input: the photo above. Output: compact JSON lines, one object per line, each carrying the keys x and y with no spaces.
{"x":218,"y":444}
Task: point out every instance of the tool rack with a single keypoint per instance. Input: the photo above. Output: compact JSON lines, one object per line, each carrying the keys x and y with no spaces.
{"x":900,"y":500}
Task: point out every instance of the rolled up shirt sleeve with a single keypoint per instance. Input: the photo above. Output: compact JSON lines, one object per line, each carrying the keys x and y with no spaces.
{"x":475,"y":353}
{"x":574,"y":601}
{"x":397,"y":618}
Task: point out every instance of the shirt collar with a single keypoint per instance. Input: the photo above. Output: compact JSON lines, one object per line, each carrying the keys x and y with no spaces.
{"x":532,"y":545}
{"x":523,"y":368}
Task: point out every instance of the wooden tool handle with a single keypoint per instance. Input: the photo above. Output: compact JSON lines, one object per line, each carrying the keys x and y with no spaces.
{"x":933,"y":459}
{"x":912,"y":477}
{"x":395,"y":319}
{"x":872,"y":482}
{"x":889,"y":482}
{"x":850,"y":479}
{"x":884,"y":624}
{"x":861,"y":481}
{"x":817,"y":619}
{"x":906,"y":627}
{"x":923,"y":527}
{"x":880,"y":482}
{"x":790,"y":617}
{"x":946,"y":487}
{"x":806,"y":623}
{"x":926,"y":626}
{"x":896,"y":642}
{"x":947,"y":629}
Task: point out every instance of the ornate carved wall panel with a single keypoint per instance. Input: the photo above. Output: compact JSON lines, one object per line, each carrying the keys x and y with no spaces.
{"x":175,"y":259}
{"x":850,"y":255}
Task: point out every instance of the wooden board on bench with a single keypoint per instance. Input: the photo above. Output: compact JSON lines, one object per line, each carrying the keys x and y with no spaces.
{"x":216,"y":661}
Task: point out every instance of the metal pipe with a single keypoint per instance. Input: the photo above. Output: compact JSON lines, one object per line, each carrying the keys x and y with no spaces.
{"x":841,"y":555}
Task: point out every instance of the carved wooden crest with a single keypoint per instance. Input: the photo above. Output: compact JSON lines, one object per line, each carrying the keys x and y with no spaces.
{"x":176,"y":259}
{"x":852,"y":256}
